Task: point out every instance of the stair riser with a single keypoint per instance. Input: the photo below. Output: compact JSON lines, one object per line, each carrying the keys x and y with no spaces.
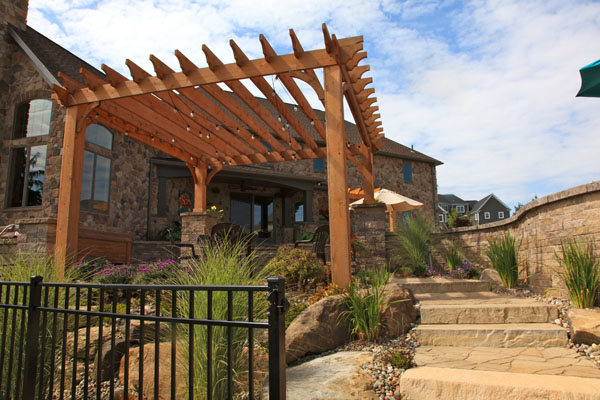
{"x":445,"y":287}
{"x":492,"y":338}
{"x":488,"y":314}
{"x":440,"y":383}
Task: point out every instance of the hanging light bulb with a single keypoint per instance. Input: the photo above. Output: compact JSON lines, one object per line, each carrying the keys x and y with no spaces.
{"x":192,"y":113}
{"x":200,"y":132}
{"x":253,"y":137}
{"x":191,"y":158}
{"x":187,"y":128}
{"x":279,"y":118}
{"x":312,"y":122}
{"x":282,"y":128}
{"x":217,"y":127}
{"x":152,"y":138}
{"x":208,"y":135}
{"x":174,"y":109}
{"x":217,"y":152}
{"x":126,"y":132}
{"x":173,"y":140}
{"x":295,"y":108}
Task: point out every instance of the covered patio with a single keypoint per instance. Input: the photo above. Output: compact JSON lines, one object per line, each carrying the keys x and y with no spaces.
{"x":189,"y":116}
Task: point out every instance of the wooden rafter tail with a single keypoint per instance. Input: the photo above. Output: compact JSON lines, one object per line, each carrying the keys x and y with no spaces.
{"x":353,"y":62}
{"x":114,"y":77}
{"x":92,"y":80}
{"x":345,"y":52}
{"x":244,"y":94}
{"x":137,"y":73}
{"x":357,"y":72}
{"x":61,"y":95}
{"x":267,"y":90}
{"x":161,"y":69}
{"x":368,"y":103}
{"x":294,"y":90}
{"x":359,"y":85}
{"x":362,"y":96}
{"x":369,"y":113}
{"x":327,"y":38}
{"x":211,"y":59}
{"x":372,"y":119}
{"x":296,"y":46}
{"x":187,"y":67}
{"x":71,"y":84}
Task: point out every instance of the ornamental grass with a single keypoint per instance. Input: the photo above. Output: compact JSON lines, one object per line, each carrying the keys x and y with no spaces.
{"x":503,"y":253}
{"x":580,"y":272}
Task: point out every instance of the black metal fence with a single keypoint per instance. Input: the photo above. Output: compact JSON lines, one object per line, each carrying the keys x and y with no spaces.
{"x":94,"y":341}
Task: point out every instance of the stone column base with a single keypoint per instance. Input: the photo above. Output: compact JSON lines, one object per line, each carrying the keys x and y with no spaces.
{"x":194,"y":224}
{"x":368,"y":223}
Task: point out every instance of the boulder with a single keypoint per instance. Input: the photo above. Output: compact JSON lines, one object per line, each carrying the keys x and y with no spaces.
{"x":336,"y":376}
{"x":319,"y":328}
{"x":399,"y":311}
{"x":104,"y":358}
{"x":584,"y":325}
{"x":164,"y":372}
{"x":491,"y":275}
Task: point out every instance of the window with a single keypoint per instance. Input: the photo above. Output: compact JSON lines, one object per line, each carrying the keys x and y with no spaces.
{"x":486,"y":215}
{"x":26,"y":179}
{"x":95,"y":183}
{"x":441,"y":217}
{"x":460,"y":209}
{"x":407,"y":170}
{"x":299,"y":213}
{"x":500,"y":214}
{"x":33,"y":118}
{"x":319,"y":164}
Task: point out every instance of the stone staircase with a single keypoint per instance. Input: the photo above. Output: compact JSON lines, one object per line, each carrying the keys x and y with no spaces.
{"x":475,"y":344}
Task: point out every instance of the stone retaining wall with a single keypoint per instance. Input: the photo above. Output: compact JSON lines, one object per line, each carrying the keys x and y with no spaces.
{"x":540,"y":226}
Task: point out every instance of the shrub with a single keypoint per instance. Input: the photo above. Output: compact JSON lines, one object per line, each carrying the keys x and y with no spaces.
{"x":359,"y":247}
{"x":580,"y":272}
{"x":298,"y":266}
{"x":503,"y":253}
{"x":414,"y":239}
{"x":365,"y":306}
{"x":400,"y":358}
{"x":419,"y":270}
{"x":453,"y":255}
{"x":116,"y":274}
{"x":224,"y":263}
{"x":171,"y":233}
{"x":378,"y":277}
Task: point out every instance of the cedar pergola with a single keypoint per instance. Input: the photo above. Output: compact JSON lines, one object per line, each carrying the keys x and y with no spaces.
{"x":187,"y":115}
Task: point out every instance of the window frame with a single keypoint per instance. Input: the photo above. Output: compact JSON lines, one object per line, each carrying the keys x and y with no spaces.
{"x":11,"y":168}
{"x":500,"y":214}
{"x":487,"y":215}
{"x":460,"y":209}
{"x":407,"y":172}
{"x":18,"y":119}
{"x":97,"y":150}
{"x":320,"y":162}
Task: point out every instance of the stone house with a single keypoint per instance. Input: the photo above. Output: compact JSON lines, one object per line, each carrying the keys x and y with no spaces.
{"x":132,"y":192}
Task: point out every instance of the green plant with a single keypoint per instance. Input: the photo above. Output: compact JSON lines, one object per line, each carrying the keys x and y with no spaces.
{"x":171,"y":233}
{"x":419,"y":270}
{"x":20,"y":267}
{"x":215,"y":211}
{"x":223,"y":263}
{"x":300,"y":267}
{"x":414,"y":239}
{"x":453,"y":255}
{"x":503,"y":253}
{"x":377,"y":277}
{"x":400,"y":358}
{"x":580,"y":272}
{"x":360,"y":248}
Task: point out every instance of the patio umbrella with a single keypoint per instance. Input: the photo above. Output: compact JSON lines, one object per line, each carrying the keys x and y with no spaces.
{"x":590,"y":80}
{"x":394,"y":202}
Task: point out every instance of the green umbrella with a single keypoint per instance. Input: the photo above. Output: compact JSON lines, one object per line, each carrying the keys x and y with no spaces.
{"x":590,"y":80}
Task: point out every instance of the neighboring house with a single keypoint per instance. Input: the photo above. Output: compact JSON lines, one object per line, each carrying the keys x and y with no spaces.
{"x":489,"y":209}
{"x":446,"y":202}
{"x":130,"y":188}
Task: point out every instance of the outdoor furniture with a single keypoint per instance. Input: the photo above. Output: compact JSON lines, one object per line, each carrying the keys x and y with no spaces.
{"x":318,"y":239}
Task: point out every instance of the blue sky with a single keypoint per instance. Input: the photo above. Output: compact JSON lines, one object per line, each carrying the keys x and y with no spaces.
{"x":487,"y":87}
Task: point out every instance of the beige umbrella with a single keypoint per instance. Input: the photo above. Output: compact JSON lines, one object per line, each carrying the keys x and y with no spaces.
{"x":394,"y":203}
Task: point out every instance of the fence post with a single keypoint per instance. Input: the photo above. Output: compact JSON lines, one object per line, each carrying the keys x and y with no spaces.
{"x":278,"y":305}
{"x":33,"y":334}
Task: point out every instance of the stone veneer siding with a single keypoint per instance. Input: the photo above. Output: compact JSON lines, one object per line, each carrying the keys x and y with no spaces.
{"x":368,"y":223}
{"x":540,"y":226}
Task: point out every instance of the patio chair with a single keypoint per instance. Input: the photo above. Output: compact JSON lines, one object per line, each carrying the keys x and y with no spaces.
{"x":318,"y":239}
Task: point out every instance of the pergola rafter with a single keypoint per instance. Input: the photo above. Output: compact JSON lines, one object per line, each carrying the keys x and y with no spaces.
{"x":188,"y":115}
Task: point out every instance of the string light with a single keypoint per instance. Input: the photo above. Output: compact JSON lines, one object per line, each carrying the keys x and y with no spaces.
{"x":217,"y":127}
{"x":312,"y":122}
{"x":200,"y":132}
{"x":253,"y":137}
{"x":192,"y":113}
{"x":152,"y":138}
{"x":126,"y":132}
{"x":208,"y":135}
{"x":174,"y":109}
{"x":279,"y":118}
{"x":191,"y":158}
{"x":173,"y":140}
{"x":217,"y":152}
{"x":295,"y":108}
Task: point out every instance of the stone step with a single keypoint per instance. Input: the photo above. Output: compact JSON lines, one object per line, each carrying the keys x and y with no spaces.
{"x":492,"y":335}
{"x":488,"y":313}
{"x":447,"y":383}
{"x":442,"y":285}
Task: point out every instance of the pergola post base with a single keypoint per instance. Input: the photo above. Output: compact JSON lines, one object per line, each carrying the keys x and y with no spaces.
{"x":368,"y":223}
{"x":194,"y":224}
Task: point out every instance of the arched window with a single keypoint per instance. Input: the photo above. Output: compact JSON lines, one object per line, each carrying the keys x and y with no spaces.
{"x":27,"y":168}
{"x":33,"y":118}
{"x":95,"y":185}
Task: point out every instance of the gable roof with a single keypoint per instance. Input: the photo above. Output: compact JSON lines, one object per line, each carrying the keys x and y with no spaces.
{"x":479,"y":205}
{"x":449,"y":199}
{"x":50,"y":58}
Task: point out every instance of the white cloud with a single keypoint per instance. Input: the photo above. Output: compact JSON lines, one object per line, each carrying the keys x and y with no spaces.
{"x":487,"y":87}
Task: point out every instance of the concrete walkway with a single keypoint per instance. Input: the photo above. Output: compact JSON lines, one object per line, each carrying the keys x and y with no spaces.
{"x":476,"y":344}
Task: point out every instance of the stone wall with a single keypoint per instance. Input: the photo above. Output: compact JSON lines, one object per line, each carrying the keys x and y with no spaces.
{"x":540,"y":226}
{"x":367,"y":223}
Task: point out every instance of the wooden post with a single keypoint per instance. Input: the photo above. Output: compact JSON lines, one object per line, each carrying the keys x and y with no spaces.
{"x":200,"y":183}
{"x":339,"y":219}
{"x":392,"y":220}
{"x":368,"y":183}
{"x":69,"y":195}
